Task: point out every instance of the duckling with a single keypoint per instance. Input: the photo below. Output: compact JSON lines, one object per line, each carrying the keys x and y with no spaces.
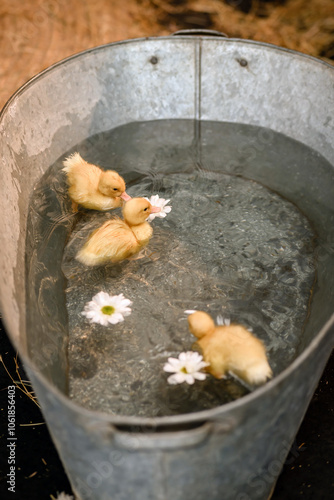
{"x":230,"y":348}
{"x":119,"y":239}
{"x":92,"y":187}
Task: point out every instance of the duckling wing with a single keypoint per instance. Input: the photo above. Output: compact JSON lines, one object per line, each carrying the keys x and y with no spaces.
{"x":113,"y":241}
{"x":92,"y":199}
{"x":215,"y":352}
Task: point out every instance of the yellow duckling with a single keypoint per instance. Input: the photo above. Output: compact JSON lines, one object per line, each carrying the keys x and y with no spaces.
{"x":230,"y":348}
{"x":92,"y":187}
{"x":119,"y":239}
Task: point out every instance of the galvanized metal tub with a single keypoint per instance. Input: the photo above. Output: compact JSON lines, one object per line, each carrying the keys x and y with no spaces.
{"x":234,"y":451}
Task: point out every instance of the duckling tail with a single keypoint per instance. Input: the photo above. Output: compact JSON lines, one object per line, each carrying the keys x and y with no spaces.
{"x":72,"y":161}
{"x":258,"y":373}
{"x":89,"y":258}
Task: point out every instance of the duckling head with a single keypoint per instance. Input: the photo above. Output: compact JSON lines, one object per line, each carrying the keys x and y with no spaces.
{"x":200,"y":324}
{"x":137,"y":210}
{"x":112,"y":184}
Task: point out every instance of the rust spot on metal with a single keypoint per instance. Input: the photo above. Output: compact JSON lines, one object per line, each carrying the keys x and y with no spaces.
{"x":154,"y":60}
{"x":242,"y":62}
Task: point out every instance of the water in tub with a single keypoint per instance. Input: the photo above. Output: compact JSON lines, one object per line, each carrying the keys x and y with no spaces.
{"x":235,"y":244}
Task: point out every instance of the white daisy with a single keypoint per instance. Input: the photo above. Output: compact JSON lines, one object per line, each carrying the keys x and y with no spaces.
{"x":105,"y":309}
{"x":156,"y":201}
{"x":186,"y":368}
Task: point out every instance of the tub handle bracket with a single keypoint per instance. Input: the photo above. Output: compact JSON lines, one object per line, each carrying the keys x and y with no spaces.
{"x":199,"y":32}
{"x":169,"y":440}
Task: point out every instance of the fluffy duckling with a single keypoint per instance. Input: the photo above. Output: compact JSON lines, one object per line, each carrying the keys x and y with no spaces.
{"x":230,"y":348}
{"x":119,"y":239}
{"x":92,"y":187}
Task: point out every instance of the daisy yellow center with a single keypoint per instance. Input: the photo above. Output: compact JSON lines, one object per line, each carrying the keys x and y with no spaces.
{"x":184,"y":369}
{"x":109,"y":310}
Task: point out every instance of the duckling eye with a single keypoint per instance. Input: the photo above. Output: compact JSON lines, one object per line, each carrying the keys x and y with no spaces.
{"x":145,"y":209}
{"x":115,"y":189}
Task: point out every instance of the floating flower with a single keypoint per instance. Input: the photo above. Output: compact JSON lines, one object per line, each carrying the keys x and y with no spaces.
{"x":156,"y":201}
{"x":186,"y":368}
{"x":105,"y":309}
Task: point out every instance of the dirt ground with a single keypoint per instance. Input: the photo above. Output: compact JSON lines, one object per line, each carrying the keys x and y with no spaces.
{"x":36,"y":33}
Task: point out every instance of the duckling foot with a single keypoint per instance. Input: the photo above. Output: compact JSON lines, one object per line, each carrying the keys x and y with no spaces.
{"x":145,"y":253}
{"x":74,"y":207}
{"x":156,"y":256}
{"x":217,"y":374}
{"x":140,"y":255}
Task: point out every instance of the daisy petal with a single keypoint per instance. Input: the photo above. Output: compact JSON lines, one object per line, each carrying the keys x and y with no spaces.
{"x":170,"y":368}
{"x":189,"y":379}
{"x":199,"y":376}
{"x":174,"y":362}
{"x":183,"y":356}
{"x":115,"y":318}
{"x":177,"y":378}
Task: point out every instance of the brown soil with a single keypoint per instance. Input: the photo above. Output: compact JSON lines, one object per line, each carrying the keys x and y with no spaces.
{"x":36,"y":33}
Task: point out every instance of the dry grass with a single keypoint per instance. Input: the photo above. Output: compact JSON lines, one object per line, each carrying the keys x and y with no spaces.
{"x":23,"y":385}
{"x":295,"y":24}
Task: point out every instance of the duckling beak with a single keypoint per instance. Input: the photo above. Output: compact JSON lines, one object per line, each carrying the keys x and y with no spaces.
{"x":155,"y":210}
{"x":125,"y":196}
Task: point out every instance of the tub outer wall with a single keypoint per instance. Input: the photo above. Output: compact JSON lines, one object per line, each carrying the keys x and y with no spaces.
{"x":236,"y":453}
